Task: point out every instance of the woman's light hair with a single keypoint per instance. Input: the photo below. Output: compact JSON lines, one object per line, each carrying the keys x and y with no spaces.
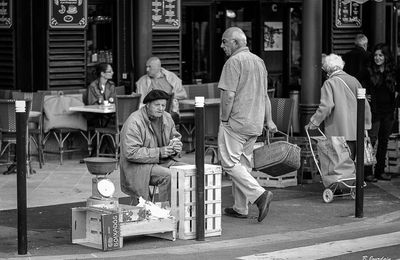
{"x":333,"y":62}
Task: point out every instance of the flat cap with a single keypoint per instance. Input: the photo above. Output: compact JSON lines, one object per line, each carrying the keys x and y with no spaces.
{"x":155,"y":94}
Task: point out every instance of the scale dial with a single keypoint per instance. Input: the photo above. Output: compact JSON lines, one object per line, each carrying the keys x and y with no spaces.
{"x":105,"y":187}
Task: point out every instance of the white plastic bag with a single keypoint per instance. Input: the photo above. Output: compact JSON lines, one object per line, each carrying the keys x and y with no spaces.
{"x":155,"y":211}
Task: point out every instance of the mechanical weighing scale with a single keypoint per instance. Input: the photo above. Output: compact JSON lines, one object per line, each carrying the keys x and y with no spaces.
{"x":102,"y":187}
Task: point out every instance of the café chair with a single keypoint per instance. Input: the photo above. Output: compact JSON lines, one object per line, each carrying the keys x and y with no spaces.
{"x":211,"y":127}
{"x":120,"y":90}
{"x":62,"y":124}
{"x":124,"y":106}
{"x":7,"y":93}
{"x":35,"y":123}
{"x":282,"y":114}
{"x":8,"y":130}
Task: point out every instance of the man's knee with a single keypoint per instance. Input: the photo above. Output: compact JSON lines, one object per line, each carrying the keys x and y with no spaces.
{"x":160,"y":180}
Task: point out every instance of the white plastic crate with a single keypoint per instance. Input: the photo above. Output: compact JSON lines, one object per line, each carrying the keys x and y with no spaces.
{"x":183,"y":199}
{"x":265,"y":180}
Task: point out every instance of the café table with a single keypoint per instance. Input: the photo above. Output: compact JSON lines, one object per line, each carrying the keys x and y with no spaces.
{"x":188,"y":104}
{"x":96,"y":109}
{"x":100,"y":109}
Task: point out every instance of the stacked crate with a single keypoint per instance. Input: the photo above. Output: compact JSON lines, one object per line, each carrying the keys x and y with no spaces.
{"x":283,"y":181}
{"x":183,"y":199}
{"x":393,"y":154}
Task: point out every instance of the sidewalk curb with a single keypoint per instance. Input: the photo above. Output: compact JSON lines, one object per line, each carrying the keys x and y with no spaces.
{"x":198,"y":247}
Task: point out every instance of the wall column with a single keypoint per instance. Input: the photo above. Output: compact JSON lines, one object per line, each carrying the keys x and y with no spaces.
{"x":311,"y":60}
{"x":23,"y":45}
{"x":378,"y":24}
{"x":142,"y":43}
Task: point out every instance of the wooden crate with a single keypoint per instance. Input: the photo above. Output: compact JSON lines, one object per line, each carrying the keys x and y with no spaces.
{"x":105,"y":229}
{"x":183,"y":199}
{"x":265,"y":180}
{"x":393,"y":154}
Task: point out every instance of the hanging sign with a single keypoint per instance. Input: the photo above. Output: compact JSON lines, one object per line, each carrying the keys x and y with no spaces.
{"x":67,"y":13}
{"x":347,"y":14}
{"x":5,"y":13}
{"x":165,"y":14}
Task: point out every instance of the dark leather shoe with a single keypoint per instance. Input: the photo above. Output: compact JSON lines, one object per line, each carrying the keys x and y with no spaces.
{"x":370,"y":178}
{"x":384,"y":177}
{"x":232,"y":213}
{"x":263,"y":204}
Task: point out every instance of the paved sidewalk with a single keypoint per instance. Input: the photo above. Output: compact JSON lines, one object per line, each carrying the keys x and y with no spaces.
{"x":55,"y":189}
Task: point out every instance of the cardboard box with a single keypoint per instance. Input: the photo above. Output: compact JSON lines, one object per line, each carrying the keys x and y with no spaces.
{"x":105,"y":229}
{"x":96,"y":228}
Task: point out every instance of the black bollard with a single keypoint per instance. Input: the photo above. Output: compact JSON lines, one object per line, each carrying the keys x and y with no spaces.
{"x":199,"y":124}
{"x":21,"y":151}
{"x":360,"y":152}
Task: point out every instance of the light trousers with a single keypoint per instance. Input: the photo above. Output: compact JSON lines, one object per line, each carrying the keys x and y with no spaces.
{"x":236,"y":152}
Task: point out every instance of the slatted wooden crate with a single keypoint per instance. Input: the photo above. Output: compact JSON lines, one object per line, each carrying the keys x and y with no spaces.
{"x":183,"y":199}
{"x":265,"y":180}
{"x":393,"y":154}
{"x":105,"y":228}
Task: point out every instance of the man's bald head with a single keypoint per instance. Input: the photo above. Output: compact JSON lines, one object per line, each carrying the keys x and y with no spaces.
{"x":153,"y":66}
{"x":235,"y":33}
{"x":232,"y":40}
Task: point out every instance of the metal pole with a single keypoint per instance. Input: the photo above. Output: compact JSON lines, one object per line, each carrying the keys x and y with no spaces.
{"x":360,"y":152}
{"x":199,"y":124}
{"x":21,"y":153}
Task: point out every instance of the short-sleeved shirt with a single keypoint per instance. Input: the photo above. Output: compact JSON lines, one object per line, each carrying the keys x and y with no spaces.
{"x":161,"y":83}
{"x":245,"y":74}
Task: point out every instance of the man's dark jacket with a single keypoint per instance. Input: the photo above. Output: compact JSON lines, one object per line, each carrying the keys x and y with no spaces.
{"x":356,"y":63}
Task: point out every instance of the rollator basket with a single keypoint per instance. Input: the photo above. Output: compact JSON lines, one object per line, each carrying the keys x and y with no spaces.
{"x":277,"y":158}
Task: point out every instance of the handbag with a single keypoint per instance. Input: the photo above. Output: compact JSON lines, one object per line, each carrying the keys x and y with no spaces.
{"x":334,"y":159}
{"x":369,"y":152}
{"x":57,"y":114}
{"x":277,"y":158}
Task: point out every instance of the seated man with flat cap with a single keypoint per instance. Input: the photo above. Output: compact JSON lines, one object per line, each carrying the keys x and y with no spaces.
{"x":149,"y":145}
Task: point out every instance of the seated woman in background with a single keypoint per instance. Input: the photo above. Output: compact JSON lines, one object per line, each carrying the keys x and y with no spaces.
{"x":103,"y":88}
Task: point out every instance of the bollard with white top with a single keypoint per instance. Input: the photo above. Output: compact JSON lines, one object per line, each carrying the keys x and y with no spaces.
{"x":199,"y":157}
{"x":360,"y":152}
{"x":21,"y":153}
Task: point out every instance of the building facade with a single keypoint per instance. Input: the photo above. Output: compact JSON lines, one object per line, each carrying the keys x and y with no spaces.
{"x":55,"y":44}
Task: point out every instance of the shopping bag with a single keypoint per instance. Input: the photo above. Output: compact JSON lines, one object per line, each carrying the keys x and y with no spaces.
{"x":57,"y":114}
{"x":369,"y":152}
{"x":335,"y":160}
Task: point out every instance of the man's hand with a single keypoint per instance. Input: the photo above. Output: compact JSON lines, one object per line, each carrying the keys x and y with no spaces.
{"x":271,"y":127}
{"x":166,"y":151}
{"x":176,"y":145}
{"x":311,"y":126}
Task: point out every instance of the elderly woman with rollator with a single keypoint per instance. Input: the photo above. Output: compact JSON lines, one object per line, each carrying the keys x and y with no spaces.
{"x":338,"y":104}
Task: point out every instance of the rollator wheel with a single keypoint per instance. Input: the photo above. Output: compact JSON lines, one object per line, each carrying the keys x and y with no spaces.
{"x":327,"y":195}
{"x":353,"y":194}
